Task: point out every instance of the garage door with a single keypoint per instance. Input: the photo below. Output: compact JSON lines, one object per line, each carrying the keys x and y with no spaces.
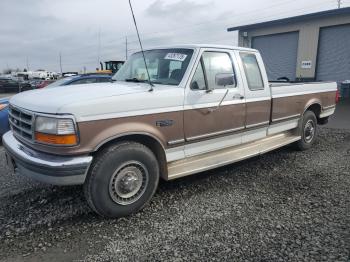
{"x":333,"y":61}
{"x":279,"y":52}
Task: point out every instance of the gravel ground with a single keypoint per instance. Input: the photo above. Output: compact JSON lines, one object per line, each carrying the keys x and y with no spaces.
{"x":282,"y":206}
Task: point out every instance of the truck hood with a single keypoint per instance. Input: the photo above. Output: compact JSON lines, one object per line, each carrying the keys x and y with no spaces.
{"x":54,"y":100}
{"x":102,"y":101}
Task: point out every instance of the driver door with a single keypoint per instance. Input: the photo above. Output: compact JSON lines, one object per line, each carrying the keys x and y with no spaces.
{"x":214,"y":114}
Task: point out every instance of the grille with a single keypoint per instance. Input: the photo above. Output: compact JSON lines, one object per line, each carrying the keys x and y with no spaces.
{"x":21,"y":122}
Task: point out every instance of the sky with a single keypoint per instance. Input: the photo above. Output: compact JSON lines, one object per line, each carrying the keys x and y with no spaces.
{"x":33,"y":33}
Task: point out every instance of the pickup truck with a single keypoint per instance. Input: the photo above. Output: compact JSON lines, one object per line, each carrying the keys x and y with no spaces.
{"x":202,"y":107}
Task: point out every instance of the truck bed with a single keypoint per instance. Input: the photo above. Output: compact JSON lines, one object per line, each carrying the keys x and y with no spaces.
{"x":290,"y":99}
{"x":283,"y":83}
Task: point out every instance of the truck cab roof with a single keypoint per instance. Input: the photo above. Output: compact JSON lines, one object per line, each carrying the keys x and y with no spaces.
{"x":197,"y":46}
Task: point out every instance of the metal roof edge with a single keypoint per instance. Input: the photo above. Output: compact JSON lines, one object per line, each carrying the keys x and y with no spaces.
{"x":332,"y":12}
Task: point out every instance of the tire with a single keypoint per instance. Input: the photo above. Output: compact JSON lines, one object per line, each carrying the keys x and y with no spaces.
{"x":113,"y":188}
{"x":308,"y":131}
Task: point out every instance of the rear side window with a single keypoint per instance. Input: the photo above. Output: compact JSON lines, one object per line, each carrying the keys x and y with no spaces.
{"x":252,"y":71}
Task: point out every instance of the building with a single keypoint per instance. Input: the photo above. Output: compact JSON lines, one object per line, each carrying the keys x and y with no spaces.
{"x":308,"y":47}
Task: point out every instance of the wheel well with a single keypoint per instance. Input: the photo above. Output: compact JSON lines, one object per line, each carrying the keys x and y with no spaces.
{"x":316,"y":108}
{"x":153,"y":144}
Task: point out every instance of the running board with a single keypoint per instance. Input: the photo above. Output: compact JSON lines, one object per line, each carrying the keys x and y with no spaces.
{"x":207,"y":161}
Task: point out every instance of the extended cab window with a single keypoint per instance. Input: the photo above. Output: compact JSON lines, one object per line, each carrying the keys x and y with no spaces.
{"x":212,"y":64}
{"x":252,"y":71}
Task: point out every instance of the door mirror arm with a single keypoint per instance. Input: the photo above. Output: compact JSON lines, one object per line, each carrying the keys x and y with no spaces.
{"x":210,"y":110}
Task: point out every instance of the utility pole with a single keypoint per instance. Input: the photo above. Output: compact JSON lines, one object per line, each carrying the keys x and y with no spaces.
{"x":339,"y":3}
{"x":27,"y":64}
{"x":99,"y":47}
{"x":60,"y":62}
{"x":126,"y":48}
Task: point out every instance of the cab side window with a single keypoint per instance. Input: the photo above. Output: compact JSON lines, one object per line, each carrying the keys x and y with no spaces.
{"x":252,"y":71}
{"x":211,"y":65}
{"x":217,"y":63}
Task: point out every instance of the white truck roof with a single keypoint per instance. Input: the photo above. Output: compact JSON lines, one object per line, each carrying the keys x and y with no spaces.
{"x":195,"y":46}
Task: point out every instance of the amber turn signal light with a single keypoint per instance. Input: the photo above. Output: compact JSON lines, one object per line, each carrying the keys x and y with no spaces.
{"x":67,"y":140}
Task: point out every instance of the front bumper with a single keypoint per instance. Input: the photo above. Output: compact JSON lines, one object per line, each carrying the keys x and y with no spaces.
{"x":43,"y":167}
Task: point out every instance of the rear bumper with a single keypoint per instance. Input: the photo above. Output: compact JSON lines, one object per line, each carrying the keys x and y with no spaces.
{"x":43,"y":167}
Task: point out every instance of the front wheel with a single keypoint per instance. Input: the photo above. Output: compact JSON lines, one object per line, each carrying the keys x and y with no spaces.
{"x":308,"y":131}
{"x":122,"y":179}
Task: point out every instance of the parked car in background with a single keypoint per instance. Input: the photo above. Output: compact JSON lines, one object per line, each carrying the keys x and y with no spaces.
{"x":66,"y":74}
{"x":44,"y":83}
{"x":35,"y":82}
{"x":75,"y":80}
{"x":4,"y":121}
{"x":13,"y":86}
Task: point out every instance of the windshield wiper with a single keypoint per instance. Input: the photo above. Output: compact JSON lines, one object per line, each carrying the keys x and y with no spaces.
{"x":135,"y":80}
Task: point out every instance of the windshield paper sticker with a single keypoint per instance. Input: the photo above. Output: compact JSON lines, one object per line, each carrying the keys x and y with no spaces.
{"x":175,"y":56}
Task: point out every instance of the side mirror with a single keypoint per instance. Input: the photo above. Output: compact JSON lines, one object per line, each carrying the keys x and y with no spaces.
{"x":225,"y":79}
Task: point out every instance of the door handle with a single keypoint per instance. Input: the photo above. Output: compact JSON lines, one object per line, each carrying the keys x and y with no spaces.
{"x":238,"y":96}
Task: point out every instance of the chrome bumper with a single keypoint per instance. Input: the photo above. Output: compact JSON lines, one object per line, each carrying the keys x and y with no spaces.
{"x":43,"y":167}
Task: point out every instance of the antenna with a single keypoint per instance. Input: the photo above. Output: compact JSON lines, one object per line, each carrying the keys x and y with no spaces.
{"x":126,"y":48}
{"x":143,"y":53}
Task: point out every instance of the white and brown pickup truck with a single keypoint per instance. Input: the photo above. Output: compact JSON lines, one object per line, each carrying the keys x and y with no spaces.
{"x":204,"y":106}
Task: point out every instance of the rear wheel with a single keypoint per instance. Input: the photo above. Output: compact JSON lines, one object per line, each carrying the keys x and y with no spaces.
{"x":308,"y":131}
{"x":122,"y":179}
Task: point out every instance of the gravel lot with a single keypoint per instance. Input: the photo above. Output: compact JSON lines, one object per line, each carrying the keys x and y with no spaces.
{"x":283,"y":206}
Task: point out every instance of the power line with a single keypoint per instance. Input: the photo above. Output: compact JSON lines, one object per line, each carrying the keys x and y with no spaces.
{"x":163,"y":34}
{"x":188,"y":27}
{"x":166,"y":33}
{"x":153,"y":36}
{"x":254,"y":20}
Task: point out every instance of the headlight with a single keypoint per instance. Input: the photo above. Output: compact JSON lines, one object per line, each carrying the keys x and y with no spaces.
{"x":55,"y":131}
{"x":3,"y":106}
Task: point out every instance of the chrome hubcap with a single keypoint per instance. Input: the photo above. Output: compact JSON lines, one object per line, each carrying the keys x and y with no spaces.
{"x":128,"y":183}
{"x":309,"y":131}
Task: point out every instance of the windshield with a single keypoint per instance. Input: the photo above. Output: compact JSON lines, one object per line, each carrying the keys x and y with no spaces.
{"x":165,"y":66}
